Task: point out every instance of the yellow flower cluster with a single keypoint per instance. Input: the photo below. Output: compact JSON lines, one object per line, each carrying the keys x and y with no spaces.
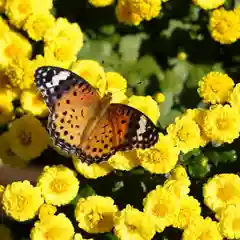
{"x":135,"y":11}
{"x":101,"y":3}
{"x":62,"y":41}
{"x":209,"y":4}
{"x":222,"y":195}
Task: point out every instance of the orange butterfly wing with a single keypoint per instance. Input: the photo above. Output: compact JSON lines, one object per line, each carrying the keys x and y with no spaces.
{"x":121,"y":128}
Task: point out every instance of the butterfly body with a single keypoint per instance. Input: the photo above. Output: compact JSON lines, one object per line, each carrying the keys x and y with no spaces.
{"x":84,"y":124}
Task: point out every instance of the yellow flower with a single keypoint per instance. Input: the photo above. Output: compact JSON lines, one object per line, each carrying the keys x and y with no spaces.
{"x":209,"y":4}
{"x":147,"y":9}
{"x":62,"y":51}
{"x":92,"y":72}
{"x":93,"y":170}
{"x":28,"y":138}
{"x":124,"y":160}
{"x":202,"y":229}
{"x":133,"y":224}
{"x":95,"y":214}
{"x":64,"y":33}
{"x":230,"y":222}
{"x":20,"y":74}
{"x":159,"y":97}
{"x":18,"y":10}
{"x":14,"y":47}
{"x":185,"y":133}
{"x":32,"y":102}
{"x":221,"y":190}
{"x":189,"y":210}
{"x":5,"y":232}
{"x":161,"y":158}
{"x":179,"y":173}
{"x":163,"y":206}
{"x":101,"y":3}
{"x":7,"y":156}
{"x":58,"y":184}
{"x":46,"y":210}
{"x":215,"y":87}
{"x":146,"y":105}
{"x":55,"y":227}
{"x":221,"y":124}
{"x":234,"y":98}
{"x":21,"y":200}
{"x":224,"y":26}
{"x":6,"y":108}
{"x":117,"y":86}
{"x":125,"y":15}
{"x":178,"y":187}
{"x":78,"y":236}
{"x":37,"y":24}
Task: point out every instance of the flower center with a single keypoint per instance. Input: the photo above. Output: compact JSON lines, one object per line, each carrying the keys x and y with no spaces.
{"x":131,"y":228}
{"x":95,"y":218}
{"x":227,"y":192}
{"x":222,"y":124}
{"x":25,"y":138}
{"x":59,"y":186}
{"x":160,"y":210}
{"x":23,"y":7}
{"x":236,"y":224}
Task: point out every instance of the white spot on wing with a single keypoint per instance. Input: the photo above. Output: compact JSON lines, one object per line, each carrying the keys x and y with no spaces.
{"x":63,"y":75}
{"x":142,"y":125}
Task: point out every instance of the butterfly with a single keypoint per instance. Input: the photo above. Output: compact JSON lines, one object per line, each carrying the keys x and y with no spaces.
{"x":83,"y":124}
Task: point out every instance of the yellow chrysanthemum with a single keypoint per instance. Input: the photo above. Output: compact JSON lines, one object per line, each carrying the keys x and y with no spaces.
{"x":28,"y":138}
{"x":224,"y":26}
{"x":133,"y":224}
{"x":178,"y":187}
{"x":95,"y":214}
{"x":221,"y":190}
{"x":32,"y":102}
{"x":6,"y":108}
{"x":117,"y":86}
{"x":185,"y":133}
{"x":58,"y":184}
{"x":209,"y":4}
{"x":37,"y":24}
{"x":163,"y":206}
{"x":93,"y":170}
{"x":56,"y":227}
{"x":159,"y":97}
{"x":66,"y":33}
{"x":146,"y":105}
{"x":21,"y":200}
{"x":202,"y":229}
{"x":7,"y":156}
{"x":62,"y":51}
{"x":92,"y":72}
{"x":101,"y":3}
{"x":5,"y":232}
{"x":189,"y":210}
{"x":234,"y":98}
{"x":215,"y":87}
{"x":179,"y":173}
{"x":20,"y":74}
{"x":124,"y":160}
{"x":161,"y":158}
{"x":221,"y":124}
{"x":46,"y":210}
{"x":230,"y":222}
{"x":125,"y":15}
{"x":14,"y":47}
{"x":18,"y":10}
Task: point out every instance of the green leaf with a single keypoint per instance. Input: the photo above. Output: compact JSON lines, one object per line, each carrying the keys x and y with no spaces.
{"x":129,"y":46}
{"x":110,"y":236}
{"x":108,"y":29}
{"x":199,"y":167}
{"x":86,"y":191}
